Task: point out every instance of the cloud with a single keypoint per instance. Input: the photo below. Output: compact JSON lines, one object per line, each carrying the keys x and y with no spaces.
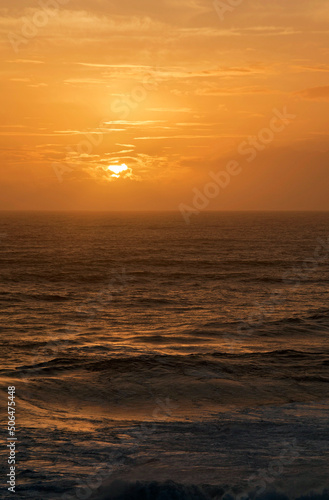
{"x":132,"y":123}
{"x":26,"y":61}
{"x":226,"y":91}
{"x":222,"y":71}
{"x":125,"y":66}
{"x":171,"y":110}
{"x":314,"y":93}
{"x":149,"y":138}
{"x":85,"y":81}
{"x":270,"y":31}
{"x":319,"y":67}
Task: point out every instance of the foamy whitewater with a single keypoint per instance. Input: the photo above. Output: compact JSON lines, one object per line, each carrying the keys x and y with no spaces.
{"x":156,"y":360}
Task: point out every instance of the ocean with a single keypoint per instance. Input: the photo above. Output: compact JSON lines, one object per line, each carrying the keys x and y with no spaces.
{"x":156,"y":360}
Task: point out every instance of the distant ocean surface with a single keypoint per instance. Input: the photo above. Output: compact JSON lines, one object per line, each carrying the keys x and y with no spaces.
{"x":156,"y":360}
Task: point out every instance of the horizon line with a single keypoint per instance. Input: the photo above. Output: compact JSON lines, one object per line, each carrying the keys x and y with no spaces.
{"x":127,"y":211}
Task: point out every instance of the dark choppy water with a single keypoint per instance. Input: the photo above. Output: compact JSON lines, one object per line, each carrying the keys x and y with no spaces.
{"x":164,"y":352}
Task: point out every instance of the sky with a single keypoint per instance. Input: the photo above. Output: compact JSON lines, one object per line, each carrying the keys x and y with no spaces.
{"x":166,"y":105}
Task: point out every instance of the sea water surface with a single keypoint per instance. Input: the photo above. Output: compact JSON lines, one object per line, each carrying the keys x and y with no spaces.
{"x":158,"y":360}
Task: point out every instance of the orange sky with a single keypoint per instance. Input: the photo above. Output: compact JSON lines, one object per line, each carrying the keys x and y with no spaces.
{"x":174,"y":90}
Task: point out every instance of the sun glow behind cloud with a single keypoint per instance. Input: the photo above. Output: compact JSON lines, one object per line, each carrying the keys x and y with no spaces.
{"x":117,"y":170}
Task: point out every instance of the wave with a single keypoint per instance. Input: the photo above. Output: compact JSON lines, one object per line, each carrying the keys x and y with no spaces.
{"x":13,"y":297}
{"x":305,"y":322}
{"x":191,"y":381}
{"x":120,"y":490}
{"x":47,"y":297}
{"x":219,"y":359}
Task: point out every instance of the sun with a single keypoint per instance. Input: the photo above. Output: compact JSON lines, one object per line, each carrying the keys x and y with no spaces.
{"x":117,"y":169}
